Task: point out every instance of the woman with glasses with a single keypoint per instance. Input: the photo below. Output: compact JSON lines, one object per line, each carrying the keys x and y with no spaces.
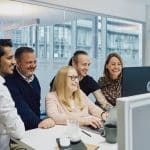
{"x":67,"y":101}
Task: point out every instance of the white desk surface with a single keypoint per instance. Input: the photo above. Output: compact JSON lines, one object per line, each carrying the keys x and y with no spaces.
{"x":45,"y":139}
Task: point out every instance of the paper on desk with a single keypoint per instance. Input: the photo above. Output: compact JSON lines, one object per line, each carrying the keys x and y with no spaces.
{"x":89,"y":147}
{"x":92,"y":147}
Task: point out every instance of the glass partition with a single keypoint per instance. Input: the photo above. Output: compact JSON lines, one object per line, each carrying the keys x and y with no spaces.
{"x":125,"y":37}
{"x":56,"y":33}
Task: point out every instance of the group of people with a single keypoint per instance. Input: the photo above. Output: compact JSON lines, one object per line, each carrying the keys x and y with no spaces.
{"x":67,"y":98}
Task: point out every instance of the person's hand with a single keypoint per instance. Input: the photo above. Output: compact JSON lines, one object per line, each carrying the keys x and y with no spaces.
{"x":104,"y":115}
{"x":46,"y":123}
{"x":92,"y":121}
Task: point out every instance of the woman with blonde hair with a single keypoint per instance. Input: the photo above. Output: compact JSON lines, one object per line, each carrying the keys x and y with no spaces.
{"x":67,"y":101}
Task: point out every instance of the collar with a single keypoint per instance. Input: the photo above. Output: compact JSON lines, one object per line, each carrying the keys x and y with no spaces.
{"x":2,"y":80}
{"x":26,"y":78}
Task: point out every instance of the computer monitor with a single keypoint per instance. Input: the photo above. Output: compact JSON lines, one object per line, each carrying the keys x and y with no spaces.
{"x":133,"y":122}
{"x":135,"y":80}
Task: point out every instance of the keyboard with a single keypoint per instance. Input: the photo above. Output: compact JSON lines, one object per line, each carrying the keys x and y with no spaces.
{"x":94,"y":130}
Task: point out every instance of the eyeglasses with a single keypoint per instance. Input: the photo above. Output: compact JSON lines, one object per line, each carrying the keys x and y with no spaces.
{"x":73,"y":78}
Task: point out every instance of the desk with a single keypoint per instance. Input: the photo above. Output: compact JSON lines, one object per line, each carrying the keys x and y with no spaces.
{"x":45,"y":139}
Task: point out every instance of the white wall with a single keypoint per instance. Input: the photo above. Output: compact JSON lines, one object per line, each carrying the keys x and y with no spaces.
{"x":132,"y":9}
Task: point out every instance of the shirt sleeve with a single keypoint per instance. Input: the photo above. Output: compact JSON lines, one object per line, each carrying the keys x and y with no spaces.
{"x":100,"y":82}
{"x":9,"y":119}
{"x":93,"y":84}
{"x":53,"y":109}
{"x":92,"y":108}
{"x":88,"y":85}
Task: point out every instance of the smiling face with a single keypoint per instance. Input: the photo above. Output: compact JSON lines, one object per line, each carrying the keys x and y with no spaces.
{"x":72,"y":80}
{"x":7,"y":61}
{"x":114,"y":67}
{"x":26,"y":64}
{"x":82,"y":65}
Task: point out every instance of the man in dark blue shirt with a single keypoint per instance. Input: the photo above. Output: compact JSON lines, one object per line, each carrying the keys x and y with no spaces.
{"x":25,"y":89}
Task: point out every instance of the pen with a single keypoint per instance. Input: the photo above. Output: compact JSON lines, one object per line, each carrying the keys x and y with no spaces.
{"x":86,"y":133}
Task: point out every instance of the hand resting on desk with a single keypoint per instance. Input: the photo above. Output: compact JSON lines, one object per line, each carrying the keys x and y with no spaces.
{"x":46,"y":123}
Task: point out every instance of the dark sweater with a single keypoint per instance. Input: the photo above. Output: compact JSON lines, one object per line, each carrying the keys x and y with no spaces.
{"x":26,"y":97}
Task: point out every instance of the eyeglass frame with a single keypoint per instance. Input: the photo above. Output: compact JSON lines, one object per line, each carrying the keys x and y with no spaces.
{"x":73,"y":78}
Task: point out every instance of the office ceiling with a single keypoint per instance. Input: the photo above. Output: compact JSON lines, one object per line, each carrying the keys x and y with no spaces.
{"x":14,"y":13}
{"x":49,"y":1}
{"x":147,"y":2}
{"x":143,"y":2}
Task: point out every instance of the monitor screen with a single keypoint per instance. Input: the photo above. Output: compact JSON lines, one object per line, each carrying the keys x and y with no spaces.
{"x":133,"y":122}
{"x":135,"y":80}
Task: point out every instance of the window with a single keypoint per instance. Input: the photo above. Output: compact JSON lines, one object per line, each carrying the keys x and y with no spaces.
{"x":84,"y":34}
{"x":62,"y":40}
{"x":125,"y":37}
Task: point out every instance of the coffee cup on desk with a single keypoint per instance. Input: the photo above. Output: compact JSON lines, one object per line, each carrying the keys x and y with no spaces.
{"x":110,"y":133}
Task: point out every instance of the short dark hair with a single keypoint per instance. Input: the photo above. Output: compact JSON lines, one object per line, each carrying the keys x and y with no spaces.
{"x":21,"y":50}
{"x":75,"y":56}
{"x":4,"y":43}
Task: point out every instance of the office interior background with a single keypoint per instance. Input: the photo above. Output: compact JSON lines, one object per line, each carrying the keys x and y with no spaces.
{"x":55,"y":29}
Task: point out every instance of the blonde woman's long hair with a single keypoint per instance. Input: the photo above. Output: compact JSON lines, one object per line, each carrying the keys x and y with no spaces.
{"x":61,"y":89}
